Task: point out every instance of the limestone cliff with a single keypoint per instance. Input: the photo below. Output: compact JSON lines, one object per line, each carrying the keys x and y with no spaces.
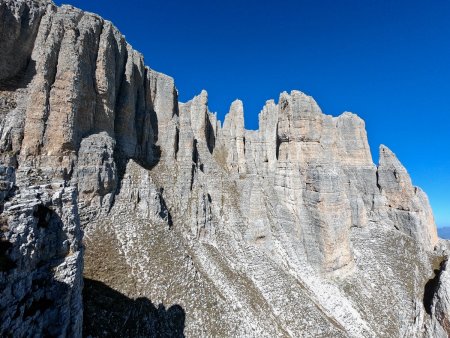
{"x":289,"y":230}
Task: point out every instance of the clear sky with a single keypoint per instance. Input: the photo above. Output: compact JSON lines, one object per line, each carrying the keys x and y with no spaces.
{"x":387,"y":61}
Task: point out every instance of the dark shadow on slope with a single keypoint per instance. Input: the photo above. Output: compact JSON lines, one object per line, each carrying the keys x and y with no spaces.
{"x":277,"y":149}
{"x":431,"y":288}
{"x":18,"y":34}
{"x":210,"y":136}
{"x":109,"y":313}
{"x":145,"y":152}
{"x":20,"y":80}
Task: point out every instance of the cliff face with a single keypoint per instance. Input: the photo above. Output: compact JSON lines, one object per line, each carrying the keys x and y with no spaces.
{"x":288,"y":230}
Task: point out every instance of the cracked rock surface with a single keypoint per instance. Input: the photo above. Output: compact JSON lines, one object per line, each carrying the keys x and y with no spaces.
{"x":185,"y":226}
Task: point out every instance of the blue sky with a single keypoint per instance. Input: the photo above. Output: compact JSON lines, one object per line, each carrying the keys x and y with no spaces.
{"x":387,"y":61}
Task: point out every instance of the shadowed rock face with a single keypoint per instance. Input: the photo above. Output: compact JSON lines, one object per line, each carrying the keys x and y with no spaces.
{"x":40,"y":261}
{"x":439,"y":300}
{"x":107,"y":313}
{"x":289,"y":230}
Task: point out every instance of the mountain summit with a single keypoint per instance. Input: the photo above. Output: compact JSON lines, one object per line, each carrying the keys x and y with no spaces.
{"x":181,"y":226}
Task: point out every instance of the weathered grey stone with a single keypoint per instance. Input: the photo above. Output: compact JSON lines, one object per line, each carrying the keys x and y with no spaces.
{"x":41,"y":261}
{"x":96,"y":175}
{"x":407,"y":206}
{"x":232,"y":135}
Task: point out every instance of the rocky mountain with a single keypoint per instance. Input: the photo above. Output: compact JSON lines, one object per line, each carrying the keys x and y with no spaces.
{"x":182,"y":225}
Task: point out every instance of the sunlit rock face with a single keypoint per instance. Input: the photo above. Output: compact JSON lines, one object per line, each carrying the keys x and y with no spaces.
{"x":196,"y":227}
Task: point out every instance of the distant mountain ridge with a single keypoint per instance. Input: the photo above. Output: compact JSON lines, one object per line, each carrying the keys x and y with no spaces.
{"x":444,"y":232}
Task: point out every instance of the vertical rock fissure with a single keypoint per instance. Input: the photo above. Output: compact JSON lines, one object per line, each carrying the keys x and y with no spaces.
{"x":431,"y":287}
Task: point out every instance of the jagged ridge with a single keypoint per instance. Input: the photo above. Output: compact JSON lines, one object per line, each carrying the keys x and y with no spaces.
{"x":246,"y":230}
